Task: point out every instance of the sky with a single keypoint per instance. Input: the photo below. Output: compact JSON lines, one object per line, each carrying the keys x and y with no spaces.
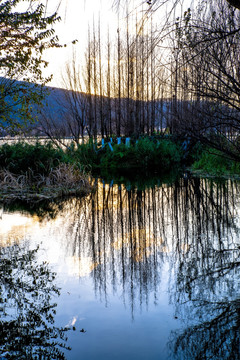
{"x":76,"y":16}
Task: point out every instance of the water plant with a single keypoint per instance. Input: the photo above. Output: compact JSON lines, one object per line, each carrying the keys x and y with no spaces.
{"x":65,"y":179}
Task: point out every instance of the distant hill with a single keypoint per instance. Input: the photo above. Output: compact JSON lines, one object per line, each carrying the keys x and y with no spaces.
{"x":75,"y":114}
{"x":17,"y":95}
{"x":71,"y":112}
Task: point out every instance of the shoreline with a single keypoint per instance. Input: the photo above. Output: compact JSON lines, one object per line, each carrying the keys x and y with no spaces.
{"x":27,"y":195}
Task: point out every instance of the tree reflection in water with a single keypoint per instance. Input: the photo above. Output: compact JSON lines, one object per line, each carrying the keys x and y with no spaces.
{"x":131,"y":238}
{"x":206,"y":291}
{"x":130,"y":234}
{"x":27,"y":309}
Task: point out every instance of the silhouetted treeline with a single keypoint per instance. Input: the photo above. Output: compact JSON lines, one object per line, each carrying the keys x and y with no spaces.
{"x":182,"y":79}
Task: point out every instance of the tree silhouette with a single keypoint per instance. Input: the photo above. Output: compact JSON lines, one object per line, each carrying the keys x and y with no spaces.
{"x":27,"y":308}
{"x":24,"y":34}
{"x":207,"y":265}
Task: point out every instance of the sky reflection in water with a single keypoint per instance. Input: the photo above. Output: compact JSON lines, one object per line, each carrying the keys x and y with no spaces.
{"x":148,"y":273}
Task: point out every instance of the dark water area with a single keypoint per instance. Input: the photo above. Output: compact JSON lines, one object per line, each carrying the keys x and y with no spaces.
{"x":132,"y":271}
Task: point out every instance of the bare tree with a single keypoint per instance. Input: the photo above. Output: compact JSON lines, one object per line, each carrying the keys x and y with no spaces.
{"x":67,"y":113}
{"x":88,"y":81}
{"x":155,"y":5}
{"x":208,"y":49}
{"x":119,"y":77}
{"x":109,"y":128}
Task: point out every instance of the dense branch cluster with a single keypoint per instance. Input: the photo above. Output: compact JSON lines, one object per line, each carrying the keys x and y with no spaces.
{"x":23,"y":37}
{"x":25,"y":32}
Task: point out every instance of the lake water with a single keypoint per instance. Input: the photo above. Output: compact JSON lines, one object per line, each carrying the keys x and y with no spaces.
{"x":128,"y":272}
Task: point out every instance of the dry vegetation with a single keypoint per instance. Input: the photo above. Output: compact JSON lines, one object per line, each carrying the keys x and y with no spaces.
{"x":63,"y":180}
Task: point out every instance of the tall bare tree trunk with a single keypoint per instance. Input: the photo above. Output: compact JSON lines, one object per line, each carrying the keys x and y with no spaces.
{"x":119,"y":82}
{"x":100,"y":80}
{"x":109,"y":130}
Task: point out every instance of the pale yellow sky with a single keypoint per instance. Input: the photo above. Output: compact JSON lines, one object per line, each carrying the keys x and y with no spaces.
{"x":76,"y":16}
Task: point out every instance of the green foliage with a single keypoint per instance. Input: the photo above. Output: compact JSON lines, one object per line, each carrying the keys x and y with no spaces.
{"x":86,"y":155}
{"x":121,"y":157}
{"x":22,"y":157}
{"x":160,"y":155}
{"x":193,"y":153}
{"x":19,"y":102}
{"x":216,"y":163}
{"x":39,"y":172}
{"x":24,"y":36}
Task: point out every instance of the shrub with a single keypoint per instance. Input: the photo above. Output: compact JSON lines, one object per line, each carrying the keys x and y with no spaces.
{"x":21,"y":157}
{"x":216,"y":163}
{"x":85,"y":154}
{"x":146,"y":154}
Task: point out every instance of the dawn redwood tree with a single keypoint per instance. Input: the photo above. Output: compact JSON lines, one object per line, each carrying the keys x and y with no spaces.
{"x":119,"y":77}
{"x":25,"y":32}
{"x":69,"y":114}
{"x":203,"y":68}
{"x":109,"y":88}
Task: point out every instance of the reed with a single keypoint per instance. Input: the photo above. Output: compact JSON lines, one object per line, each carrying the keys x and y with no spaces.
{"x":63,"y":180}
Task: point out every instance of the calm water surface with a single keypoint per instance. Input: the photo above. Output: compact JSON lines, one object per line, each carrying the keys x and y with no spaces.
{"x":128,"y":272}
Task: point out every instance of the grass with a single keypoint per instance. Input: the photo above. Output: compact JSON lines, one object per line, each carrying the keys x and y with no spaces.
{"x":42,"y":171}
{"x":214,"y":163}
{"x":36,"y":172}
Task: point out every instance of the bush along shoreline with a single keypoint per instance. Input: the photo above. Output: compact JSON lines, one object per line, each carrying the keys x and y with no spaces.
{"x":214,"y":163}
{"x":157,"y":154}
{"x":44,"y":172}
{"x":39,"y":172}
